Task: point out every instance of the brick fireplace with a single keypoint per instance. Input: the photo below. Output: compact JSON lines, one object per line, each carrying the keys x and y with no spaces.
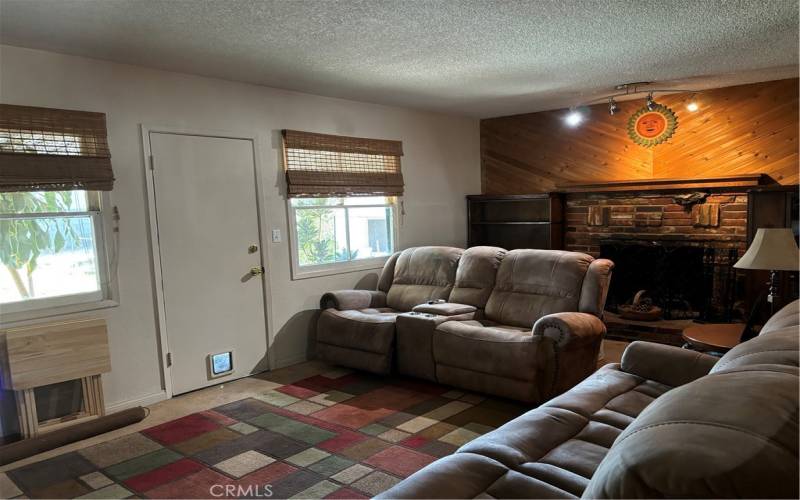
{"x":675,"y":239}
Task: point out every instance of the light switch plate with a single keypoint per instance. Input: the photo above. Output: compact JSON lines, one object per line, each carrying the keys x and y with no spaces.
{"x":276,"y":235}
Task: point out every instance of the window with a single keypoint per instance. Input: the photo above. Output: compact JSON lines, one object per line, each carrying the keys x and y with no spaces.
{"x":56,"y":164}
{"x":51,"y":249}
{"x":341,"y":201}
{"x":340,"y":234}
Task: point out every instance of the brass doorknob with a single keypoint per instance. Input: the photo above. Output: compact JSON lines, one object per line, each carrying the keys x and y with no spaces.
{"x":255,"y":271}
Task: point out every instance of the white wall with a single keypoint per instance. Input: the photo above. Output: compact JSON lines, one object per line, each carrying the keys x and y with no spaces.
{"x":440,"y":166}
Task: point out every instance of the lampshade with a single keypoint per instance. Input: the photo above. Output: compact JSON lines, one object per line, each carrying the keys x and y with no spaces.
{"x":772,"y":249}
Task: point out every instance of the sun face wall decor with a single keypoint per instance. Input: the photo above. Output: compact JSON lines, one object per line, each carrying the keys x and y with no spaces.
{"x":652,"y":125}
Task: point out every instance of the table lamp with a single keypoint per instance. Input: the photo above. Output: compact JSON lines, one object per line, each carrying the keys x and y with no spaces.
{"x":772,"y":249}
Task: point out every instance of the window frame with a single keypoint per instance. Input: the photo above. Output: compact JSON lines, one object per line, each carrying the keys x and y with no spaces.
{"x":105,"y":297}
{"x":304,"y":272}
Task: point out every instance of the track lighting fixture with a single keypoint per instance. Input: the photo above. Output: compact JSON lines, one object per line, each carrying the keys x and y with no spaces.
{"x":577,"y":114}
{"x":574,"y":118}
{"x":612,"y":106}
{"x":651,"y":104}
{"x":692,"y":106}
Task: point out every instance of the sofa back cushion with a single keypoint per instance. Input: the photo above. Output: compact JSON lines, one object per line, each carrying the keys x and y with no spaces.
{"x":422,"y":274}
{"x":778,"y":347}
{"x":476,"y":275}
{"x":730,"y":434}
{"x":533,"y":283}
{"x":789,"y":315}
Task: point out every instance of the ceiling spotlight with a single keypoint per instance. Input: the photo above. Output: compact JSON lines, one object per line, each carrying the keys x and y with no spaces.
{"x":612,"y":106}
{"x":651,"y":104}
{"x":692,"y":106}
{"x":574,"y":118}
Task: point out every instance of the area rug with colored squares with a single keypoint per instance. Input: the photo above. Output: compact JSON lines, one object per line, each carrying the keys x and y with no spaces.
{"x":337,"y":435}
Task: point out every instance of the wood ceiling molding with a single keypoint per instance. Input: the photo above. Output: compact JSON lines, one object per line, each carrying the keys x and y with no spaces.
{"x":737,"y":130}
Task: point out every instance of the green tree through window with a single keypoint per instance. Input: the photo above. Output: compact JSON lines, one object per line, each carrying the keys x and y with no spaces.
{"x":332,"y":230}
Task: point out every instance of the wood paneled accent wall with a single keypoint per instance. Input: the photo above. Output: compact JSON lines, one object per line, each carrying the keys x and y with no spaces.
{"x":736,"y":130}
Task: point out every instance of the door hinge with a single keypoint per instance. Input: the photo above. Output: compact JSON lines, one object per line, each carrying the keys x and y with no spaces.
{"x":169,"y":359}
{"x":152,"y":166}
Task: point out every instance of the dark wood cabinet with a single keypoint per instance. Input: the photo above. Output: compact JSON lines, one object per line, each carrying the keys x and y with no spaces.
{"x":516,"y":221}
{"x":772,"y":207}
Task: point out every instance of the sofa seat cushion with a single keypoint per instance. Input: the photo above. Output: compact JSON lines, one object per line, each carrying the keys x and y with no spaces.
{"x":498,"y":328}
{"x":466,"y":475}
{"x":486,"y":347}
{"x":370,"y":330}
{"x":563,"y":442}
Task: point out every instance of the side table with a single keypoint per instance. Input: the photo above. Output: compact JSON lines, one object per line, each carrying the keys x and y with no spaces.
{"x":713,"y":338}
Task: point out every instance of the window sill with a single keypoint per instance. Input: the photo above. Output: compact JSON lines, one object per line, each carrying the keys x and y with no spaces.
{"x":340,"y":268}
{"x":23,"y":317}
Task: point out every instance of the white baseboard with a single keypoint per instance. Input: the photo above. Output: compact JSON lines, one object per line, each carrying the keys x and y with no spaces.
{"x":150,"y":399}
{"x":145,"y":400}
{"x":282,"y":363}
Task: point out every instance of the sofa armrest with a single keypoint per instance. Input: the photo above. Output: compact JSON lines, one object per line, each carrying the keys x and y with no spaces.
{"x":570,"y":328}
{"x":344,"y":300}
{"x":595,"y":287}
{"x":447,"y":309}
{"x":665,"y":364}
{"x":572,"y":345}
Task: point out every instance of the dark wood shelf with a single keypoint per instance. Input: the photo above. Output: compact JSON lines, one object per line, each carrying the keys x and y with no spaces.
{"x":521,"y":223}
{"x":516,"y":221}
{"x":507,"y":197}
{"x":730,"y":181}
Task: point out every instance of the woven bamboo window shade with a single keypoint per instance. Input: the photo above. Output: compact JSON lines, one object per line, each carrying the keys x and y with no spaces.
{"x":320,"y":165}
{"x":43,"y":149}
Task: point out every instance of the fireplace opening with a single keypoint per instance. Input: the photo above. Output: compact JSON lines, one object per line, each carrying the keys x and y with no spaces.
{"x":679,"y":281}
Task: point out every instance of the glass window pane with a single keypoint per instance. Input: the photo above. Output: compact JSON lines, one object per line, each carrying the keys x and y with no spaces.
{"x":351,"y":201}
{"x":43,"y":202}
{"x":366,"y":200}
{"x":371,"y":232}
{"x":321,"y":236}
{"x":316,"y":202}
{"x":47,"y":257}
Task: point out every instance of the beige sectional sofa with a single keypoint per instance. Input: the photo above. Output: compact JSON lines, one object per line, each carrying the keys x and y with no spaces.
{"x":665,"y":423}
{"x":523,"y":324}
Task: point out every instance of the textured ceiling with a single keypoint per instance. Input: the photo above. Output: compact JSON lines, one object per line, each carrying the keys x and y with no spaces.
{"x":468,"y":57}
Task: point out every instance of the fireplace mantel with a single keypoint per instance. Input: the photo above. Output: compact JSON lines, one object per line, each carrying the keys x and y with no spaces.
{"x":731,"y":181}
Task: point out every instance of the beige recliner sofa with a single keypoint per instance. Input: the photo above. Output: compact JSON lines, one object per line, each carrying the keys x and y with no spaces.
{"x":357,"y":327}
{"x":665,"y":423}
{"x":540,"y":331}
{"x":523,"y":324}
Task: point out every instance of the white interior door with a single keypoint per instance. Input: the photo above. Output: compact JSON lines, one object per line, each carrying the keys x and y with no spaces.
{"x":210,"y":251}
